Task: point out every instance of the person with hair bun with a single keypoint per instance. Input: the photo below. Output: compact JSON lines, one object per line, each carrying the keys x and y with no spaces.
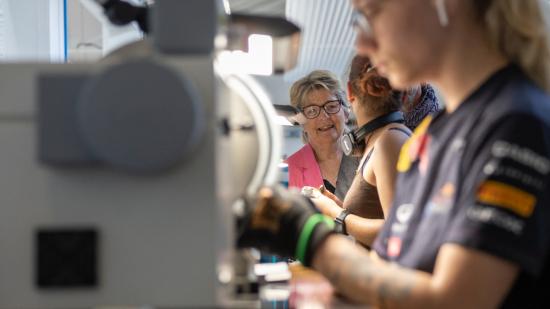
{"x":469,"y":225}
{"x":367,"y":203}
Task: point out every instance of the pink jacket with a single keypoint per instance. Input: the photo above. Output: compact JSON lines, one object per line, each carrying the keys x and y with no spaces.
{"x":303,"y":169}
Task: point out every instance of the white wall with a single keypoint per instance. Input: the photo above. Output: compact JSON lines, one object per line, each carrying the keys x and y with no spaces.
{"x":90,"y":34}
{"x":34,"y":30}
{"x":84,"y":33}
{"x":31,"y":30}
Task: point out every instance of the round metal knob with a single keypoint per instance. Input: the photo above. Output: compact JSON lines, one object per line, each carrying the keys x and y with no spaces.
{"x":140,"y":116}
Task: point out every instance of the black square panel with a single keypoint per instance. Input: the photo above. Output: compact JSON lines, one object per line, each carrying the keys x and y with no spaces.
{"x":66,"y":258}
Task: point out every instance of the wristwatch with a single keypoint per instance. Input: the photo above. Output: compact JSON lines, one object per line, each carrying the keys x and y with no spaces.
{"x":340,"y":222}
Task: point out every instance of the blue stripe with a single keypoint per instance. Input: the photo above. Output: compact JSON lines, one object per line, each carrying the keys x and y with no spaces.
{"x":65,"y":34}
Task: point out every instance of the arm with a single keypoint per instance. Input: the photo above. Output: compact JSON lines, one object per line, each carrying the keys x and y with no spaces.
{"x":385,"y":156}
{"x":326,"y":205}
{"x":362,"y":229}
{"x":384,"y":162}
{"x":481,"y":258}
{"x":478,"y":260}
{"x":462,"y":278}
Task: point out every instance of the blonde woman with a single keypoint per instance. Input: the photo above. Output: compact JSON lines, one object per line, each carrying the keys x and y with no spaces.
{"x":320,"y":99}
{"x":469,"y":225}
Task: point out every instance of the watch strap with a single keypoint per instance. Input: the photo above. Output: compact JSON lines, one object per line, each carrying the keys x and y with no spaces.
{"x":340,"y":221}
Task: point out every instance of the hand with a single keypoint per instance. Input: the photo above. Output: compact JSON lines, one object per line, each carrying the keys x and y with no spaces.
{"x":324,"y":200}
{"x":330,"y":195}
{"x":284,"y":223}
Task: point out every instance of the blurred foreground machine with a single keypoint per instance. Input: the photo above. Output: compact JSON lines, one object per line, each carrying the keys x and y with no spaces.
{"x":119,"y":179}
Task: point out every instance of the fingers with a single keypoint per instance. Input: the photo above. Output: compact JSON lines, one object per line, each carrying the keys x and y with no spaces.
{"x":310,"y":192}
{"x":268,"y":211}
{"x":330,"y":195}
{"x":265,"y":193}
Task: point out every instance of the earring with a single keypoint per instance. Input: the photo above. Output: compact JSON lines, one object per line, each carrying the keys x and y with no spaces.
{"x":442,"y":12}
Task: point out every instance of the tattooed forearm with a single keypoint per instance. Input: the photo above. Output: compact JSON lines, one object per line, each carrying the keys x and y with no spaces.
{"x":358,"y":277}
{"x":394,"y":287}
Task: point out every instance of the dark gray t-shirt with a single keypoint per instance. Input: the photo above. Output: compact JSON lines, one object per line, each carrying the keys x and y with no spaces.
{"x":479,"y":177}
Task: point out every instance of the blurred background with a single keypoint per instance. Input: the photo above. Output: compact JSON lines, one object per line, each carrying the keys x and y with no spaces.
{"x":77,"y":31}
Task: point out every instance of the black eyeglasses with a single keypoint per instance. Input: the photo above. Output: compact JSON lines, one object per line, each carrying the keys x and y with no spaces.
{"x":330,"y":107}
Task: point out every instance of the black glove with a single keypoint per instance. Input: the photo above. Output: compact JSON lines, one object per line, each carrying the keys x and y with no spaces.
{"x":283,"y":223}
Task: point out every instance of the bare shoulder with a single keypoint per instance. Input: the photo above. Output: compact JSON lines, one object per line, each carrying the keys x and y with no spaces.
{"x":392,"y":138}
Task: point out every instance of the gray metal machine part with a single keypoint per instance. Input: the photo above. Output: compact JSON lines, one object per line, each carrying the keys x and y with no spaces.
{"x":160,"y":239}
{"x":157,"y":235}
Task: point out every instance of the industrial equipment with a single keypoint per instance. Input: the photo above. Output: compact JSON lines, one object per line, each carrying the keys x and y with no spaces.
{"x":120,"y":178}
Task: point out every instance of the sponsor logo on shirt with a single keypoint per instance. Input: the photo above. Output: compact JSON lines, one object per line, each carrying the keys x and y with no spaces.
{"x":402,"y":215}
{"x":404,"y":212}
{"x":394,"y":246}
{"x":522,"y":155}
{"x":493,"y":168}
{"x":496,"y":217}
{"x":458,"y":144}
{"x":414,"y":147}
{"x":441,"y":203}
{"x":503,"y":195}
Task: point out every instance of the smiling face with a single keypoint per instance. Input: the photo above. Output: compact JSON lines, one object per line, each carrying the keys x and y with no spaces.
{"x":405,"y":40}
{"x":325,"y":128}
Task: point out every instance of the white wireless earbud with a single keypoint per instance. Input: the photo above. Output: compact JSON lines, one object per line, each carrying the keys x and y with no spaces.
{"x":442,"y":12}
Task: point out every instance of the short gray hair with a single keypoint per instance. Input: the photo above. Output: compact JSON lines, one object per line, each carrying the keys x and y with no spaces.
{"x":318,"y":79}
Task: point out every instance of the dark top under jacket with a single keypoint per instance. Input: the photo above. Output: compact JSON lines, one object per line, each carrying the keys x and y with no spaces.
{"x":479,"y":178}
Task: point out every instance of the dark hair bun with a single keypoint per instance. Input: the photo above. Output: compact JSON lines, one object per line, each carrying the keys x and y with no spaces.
{"x":373,"y":90}
{"x":375,"y":85}
{"x":366,"y":80}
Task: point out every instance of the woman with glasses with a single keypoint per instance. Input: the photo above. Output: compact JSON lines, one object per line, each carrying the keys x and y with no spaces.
{"x":368,"y":201}
{"x":320,"y":100}
{"x":469,"y":224}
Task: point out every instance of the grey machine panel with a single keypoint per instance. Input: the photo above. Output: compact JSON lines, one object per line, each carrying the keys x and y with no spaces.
{"x":184,"y":26}
{"x":157,"y":233}
{"x":162,"y":223}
